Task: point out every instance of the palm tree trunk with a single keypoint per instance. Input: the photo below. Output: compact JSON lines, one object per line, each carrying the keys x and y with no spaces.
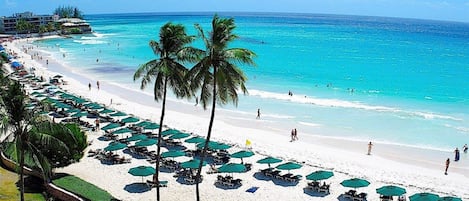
{"x":209,"y":133}
{"x":158,"y":149}
{"x":21,"y":171}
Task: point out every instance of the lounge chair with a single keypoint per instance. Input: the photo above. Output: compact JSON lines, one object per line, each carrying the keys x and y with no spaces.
{"x":153,"y":184}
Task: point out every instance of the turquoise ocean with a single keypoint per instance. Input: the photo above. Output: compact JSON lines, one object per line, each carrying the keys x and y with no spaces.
{"x":390,"y":80}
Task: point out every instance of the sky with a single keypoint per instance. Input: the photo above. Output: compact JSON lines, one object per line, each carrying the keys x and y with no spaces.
{"x":446,"y":10}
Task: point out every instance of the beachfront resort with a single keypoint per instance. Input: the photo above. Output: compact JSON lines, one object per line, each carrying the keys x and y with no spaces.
{"x":140,"y":149}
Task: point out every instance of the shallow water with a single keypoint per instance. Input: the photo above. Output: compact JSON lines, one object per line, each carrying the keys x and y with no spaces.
{"x":396,"y":81}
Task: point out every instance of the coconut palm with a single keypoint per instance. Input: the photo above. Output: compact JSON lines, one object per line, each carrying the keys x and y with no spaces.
{"x":26,"y":134}
{"x":217,"y":75}
{"x":167,"y":71}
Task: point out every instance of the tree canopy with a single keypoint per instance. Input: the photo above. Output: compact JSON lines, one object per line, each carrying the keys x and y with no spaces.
{"x":68,"y":12}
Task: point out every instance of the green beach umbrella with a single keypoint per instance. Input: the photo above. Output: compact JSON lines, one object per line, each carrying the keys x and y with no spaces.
{"x":78,"y":100}
{"x":35,"y":93}
{"x":179,"y":136}
{"x":122,"y":131}
{"x":319,"y":175}
{"x":80,"y":114}
{"x":142,"y":171}
{"x":118,"y":114}
{"x":449,"y":198}
{"x":289,"y":166}
{"x":214,"y":145}
{"x":242,"y":154}
{"x":195,"y":140}
{"x":232,"y":168}
{"x":62,"y":105}
{"x":142,"y":123}
{"x":391,"y":190}
{"x":269,"y":160}
{"x":113,"y":146}
{"x":355,"y":183}
{"x":137,"y":137}
{"x":146,"y":142}
{"x":96,"y":107}
{"x":424,"y":197}
{"x":110,"y":126}
{"x":151,"y":126}
{"x":105,"y":111}
{"x":192,"y":164}
{"x":172,"y":154}
{"x":169,"y":132}
{"x":130,"y":120}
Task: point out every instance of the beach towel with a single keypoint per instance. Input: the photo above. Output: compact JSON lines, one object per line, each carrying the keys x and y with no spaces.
{"x":252,"y":189}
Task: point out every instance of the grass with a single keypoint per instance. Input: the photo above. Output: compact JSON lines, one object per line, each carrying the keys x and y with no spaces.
{"x":9,"y":190}
{"x":82,"y":188}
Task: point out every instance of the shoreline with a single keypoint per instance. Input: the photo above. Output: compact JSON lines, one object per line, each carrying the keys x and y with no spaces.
{"x":416,"y":169}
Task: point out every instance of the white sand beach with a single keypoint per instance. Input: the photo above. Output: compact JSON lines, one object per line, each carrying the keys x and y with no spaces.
{"x":416,"y":170}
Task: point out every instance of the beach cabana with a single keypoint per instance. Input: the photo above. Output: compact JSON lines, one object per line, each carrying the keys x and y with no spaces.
{"x":424,"y":197}
{"x":142,"y":171}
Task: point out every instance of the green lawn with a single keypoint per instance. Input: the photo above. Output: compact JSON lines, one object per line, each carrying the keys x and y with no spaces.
{"x":83,"y":188}
{"x":9,"y":190}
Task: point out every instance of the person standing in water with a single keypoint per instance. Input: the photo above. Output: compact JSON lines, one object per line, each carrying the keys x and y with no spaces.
{"x":456,"y":154}
{"x":369,"y":147}
{"x":258,"y":113}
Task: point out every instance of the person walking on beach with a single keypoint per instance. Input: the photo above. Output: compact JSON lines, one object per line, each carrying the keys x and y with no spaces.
{"x":456,"y":154}
{"x":465,"y":148}
{"x":97,"y":123}
{"x":97,"y":84}
{"x":447,"y":166}
{"x":89,"y":86}
{"x":258,"y":113}
{"x":295,"y":134}
{"x":369,"y":147}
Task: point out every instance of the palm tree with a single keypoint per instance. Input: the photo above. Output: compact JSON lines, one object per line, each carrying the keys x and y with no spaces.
{"x":167,"y":71}
{"x":26,"y":133}
{"x":217,"y":75}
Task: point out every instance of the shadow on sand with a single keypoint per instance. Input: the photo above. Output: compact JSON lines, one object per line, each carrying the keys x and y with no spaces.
{"x":313,"y":193}
{"x":137,"y":188}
